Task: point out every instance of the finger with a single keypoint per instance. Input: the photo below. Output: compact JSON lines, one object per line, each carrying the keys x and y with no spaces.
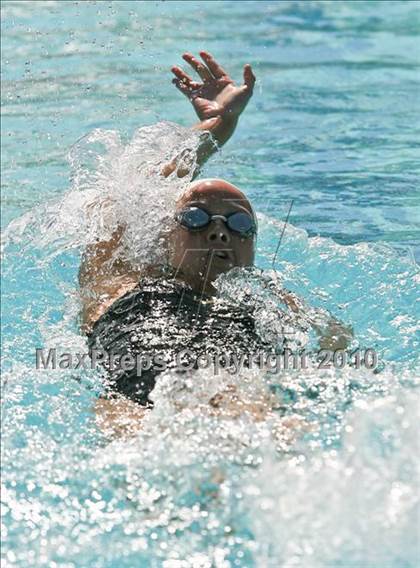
{"x":182,"y":76}
{"x":195,"y":85}
{"x":198,"y":66}
{"x":249,"y":77}
{"x":188,"y":90}
{"x":181,"y":86}
{"x":212,"y":64}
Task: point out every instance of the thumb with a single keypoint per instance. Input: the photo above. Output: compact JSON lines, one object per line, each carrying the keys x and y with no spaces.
{"x":249,"y":77}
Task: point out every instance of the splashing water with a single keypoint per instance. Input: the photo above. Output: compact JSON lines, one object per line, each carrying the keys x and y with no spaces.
{"x":327,"y":478}
{"x":112,"y":185}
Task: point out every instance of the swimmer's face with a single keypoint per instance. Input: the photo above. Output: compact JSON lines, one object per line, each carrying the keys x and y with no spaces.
{"x":201,"y":255}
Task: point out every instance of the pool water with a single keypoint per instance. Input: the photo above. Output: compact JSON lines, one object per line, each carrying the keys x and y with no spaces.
{"x":331,"y":133}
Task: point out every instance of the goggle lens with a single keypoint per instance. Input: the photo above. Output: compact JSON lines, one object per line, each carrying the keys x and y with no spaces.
{"x":240,"y":223}
{"x":195,"y":218}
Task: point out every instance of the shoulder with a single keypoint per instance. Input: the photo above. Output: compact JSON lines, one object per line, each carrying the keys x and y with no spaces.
{"x":138,"y":296}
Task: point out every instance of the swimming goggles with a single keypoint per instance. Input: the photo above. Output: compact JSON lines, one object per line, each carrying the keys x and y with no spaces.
{"x":197,"y":219}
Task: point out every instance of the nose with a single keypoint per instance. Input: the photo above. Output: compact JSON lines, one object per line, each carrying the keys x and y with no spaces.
{"x":218,"y":233}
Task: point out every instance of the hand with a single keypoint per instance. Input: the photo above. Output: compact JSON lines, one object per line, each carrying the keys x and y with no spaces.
{"x":216,"y":95}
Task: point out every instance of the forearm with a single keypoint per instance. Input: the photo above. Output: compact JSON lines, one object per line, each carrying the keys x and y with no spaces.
{"x":333,"y":335}
{"x":220,"y":129}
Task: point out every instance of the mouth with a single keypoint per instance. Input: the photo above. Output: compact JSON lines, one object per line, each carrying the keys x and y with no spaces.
{"x":222,"y":254}
{"x":223,"y":258}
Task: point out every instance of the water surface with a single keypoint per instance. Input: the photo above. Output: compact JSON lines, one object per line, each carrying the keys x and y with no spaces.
{"x":333,"y":126}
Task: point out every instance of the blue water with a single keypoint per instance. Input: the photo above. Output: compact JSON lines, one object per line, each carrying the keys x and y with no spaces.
{"x":333,"y":126}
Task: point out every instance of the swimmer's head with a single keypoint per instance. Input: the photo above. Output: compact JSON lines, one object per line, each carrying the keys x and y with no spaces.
{"x":203,"y":247}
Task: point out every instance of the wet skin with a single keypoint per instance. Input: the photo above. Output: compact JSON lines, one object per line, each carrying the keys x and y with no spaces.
{"x":199,"y":257}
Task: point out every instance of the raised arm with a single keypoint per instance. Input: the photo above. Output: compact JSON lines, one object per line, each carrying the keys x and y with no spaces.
{"x":217,"y":101}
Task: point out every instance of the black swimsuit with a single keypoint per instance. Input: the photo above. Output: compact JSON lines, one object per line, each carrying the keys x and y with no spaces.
{"x":163,"y":320}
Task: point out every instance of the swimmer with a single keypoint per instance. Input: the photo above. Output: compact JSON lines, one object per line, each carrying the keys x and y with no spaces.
{"x":164,"y":309}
